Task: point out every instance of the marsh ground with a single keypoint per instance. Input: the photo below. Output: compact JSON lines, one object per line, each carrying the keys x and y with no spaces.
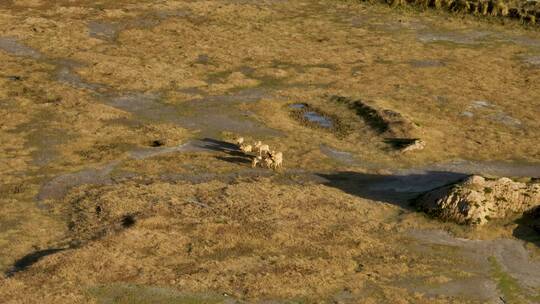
{"x":118,"y":185}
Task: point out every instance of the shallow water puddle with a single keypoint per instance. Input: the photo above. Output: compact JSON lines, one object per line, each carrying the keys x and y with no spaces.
{"x":317,"y":118}
{"x":312,"y":116}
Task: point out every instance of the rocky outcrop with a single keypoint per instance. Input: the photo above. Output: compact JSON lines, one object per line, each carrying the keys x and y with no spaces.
{"x":476,"y":200}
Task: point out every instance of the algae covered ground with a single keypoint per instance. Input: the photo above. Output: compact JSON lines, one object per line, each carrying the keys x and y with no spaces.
{"x":119,"y":182}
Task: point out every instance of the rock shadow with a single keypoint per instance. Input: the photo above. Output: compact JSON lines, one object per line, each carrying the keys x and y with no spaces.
{"x":528,"y":228}
{"x":396,"y":189}
{"x":400,"y":143}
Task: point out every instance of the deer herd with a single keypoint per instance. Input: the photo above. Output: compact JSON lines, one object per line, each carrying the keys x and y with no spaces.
{"x":263,"y":155}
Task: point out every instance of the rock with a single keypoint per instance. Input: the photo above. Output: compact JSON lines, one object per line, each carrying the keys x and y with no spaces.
{"x":475,"y":200}
{"x":474,"y":180}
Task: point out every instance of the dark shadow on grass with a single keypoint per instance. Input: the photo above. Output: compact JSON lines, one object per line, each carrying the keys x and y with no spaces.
{"x":528,"y":228}
{"x":218,"y":145}
{"x":400,"y":143}
{"x":30,"y":259}
{"x":234,"y":159}
{"x":234,"y":154}
{"x":398,"y":189}
{"x":126,"y":222}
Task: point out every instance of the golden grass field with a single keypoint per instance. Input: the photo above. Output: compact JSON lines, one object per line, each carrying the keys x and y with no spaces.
{"x":118,"y":182}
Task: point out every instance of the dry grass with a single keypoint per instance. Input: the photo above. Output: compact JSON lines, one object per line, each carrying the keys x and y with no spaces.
{"x":306,"y":241}
{"x":204,"y":246}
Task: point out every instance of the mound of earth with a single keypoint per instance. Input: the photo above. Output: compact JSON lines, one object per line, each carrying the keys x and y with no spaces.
{"x":476,"y":200}
{"x":387,"y":122}
{"x":397,"y":129}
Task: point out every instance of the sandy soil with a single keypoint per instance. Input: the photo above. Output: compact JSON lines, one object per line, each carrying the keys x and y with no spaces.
{"x":118,"y":184}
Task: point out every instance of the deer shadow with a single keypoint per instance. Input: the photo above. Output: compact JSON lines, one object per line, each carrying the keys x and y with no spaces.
{"x":234,"y":155}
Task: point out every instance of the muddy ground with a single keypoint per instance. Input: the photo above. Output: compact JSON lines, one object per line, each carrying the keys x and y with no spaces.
{"x":119,"y":184}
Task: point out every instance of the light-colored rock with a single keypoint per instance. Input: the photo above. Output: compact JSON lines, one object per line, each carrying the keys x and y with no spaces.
{"x":476,"y":200}
{"x":416,"y":145}
{"x":474,"y":180}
